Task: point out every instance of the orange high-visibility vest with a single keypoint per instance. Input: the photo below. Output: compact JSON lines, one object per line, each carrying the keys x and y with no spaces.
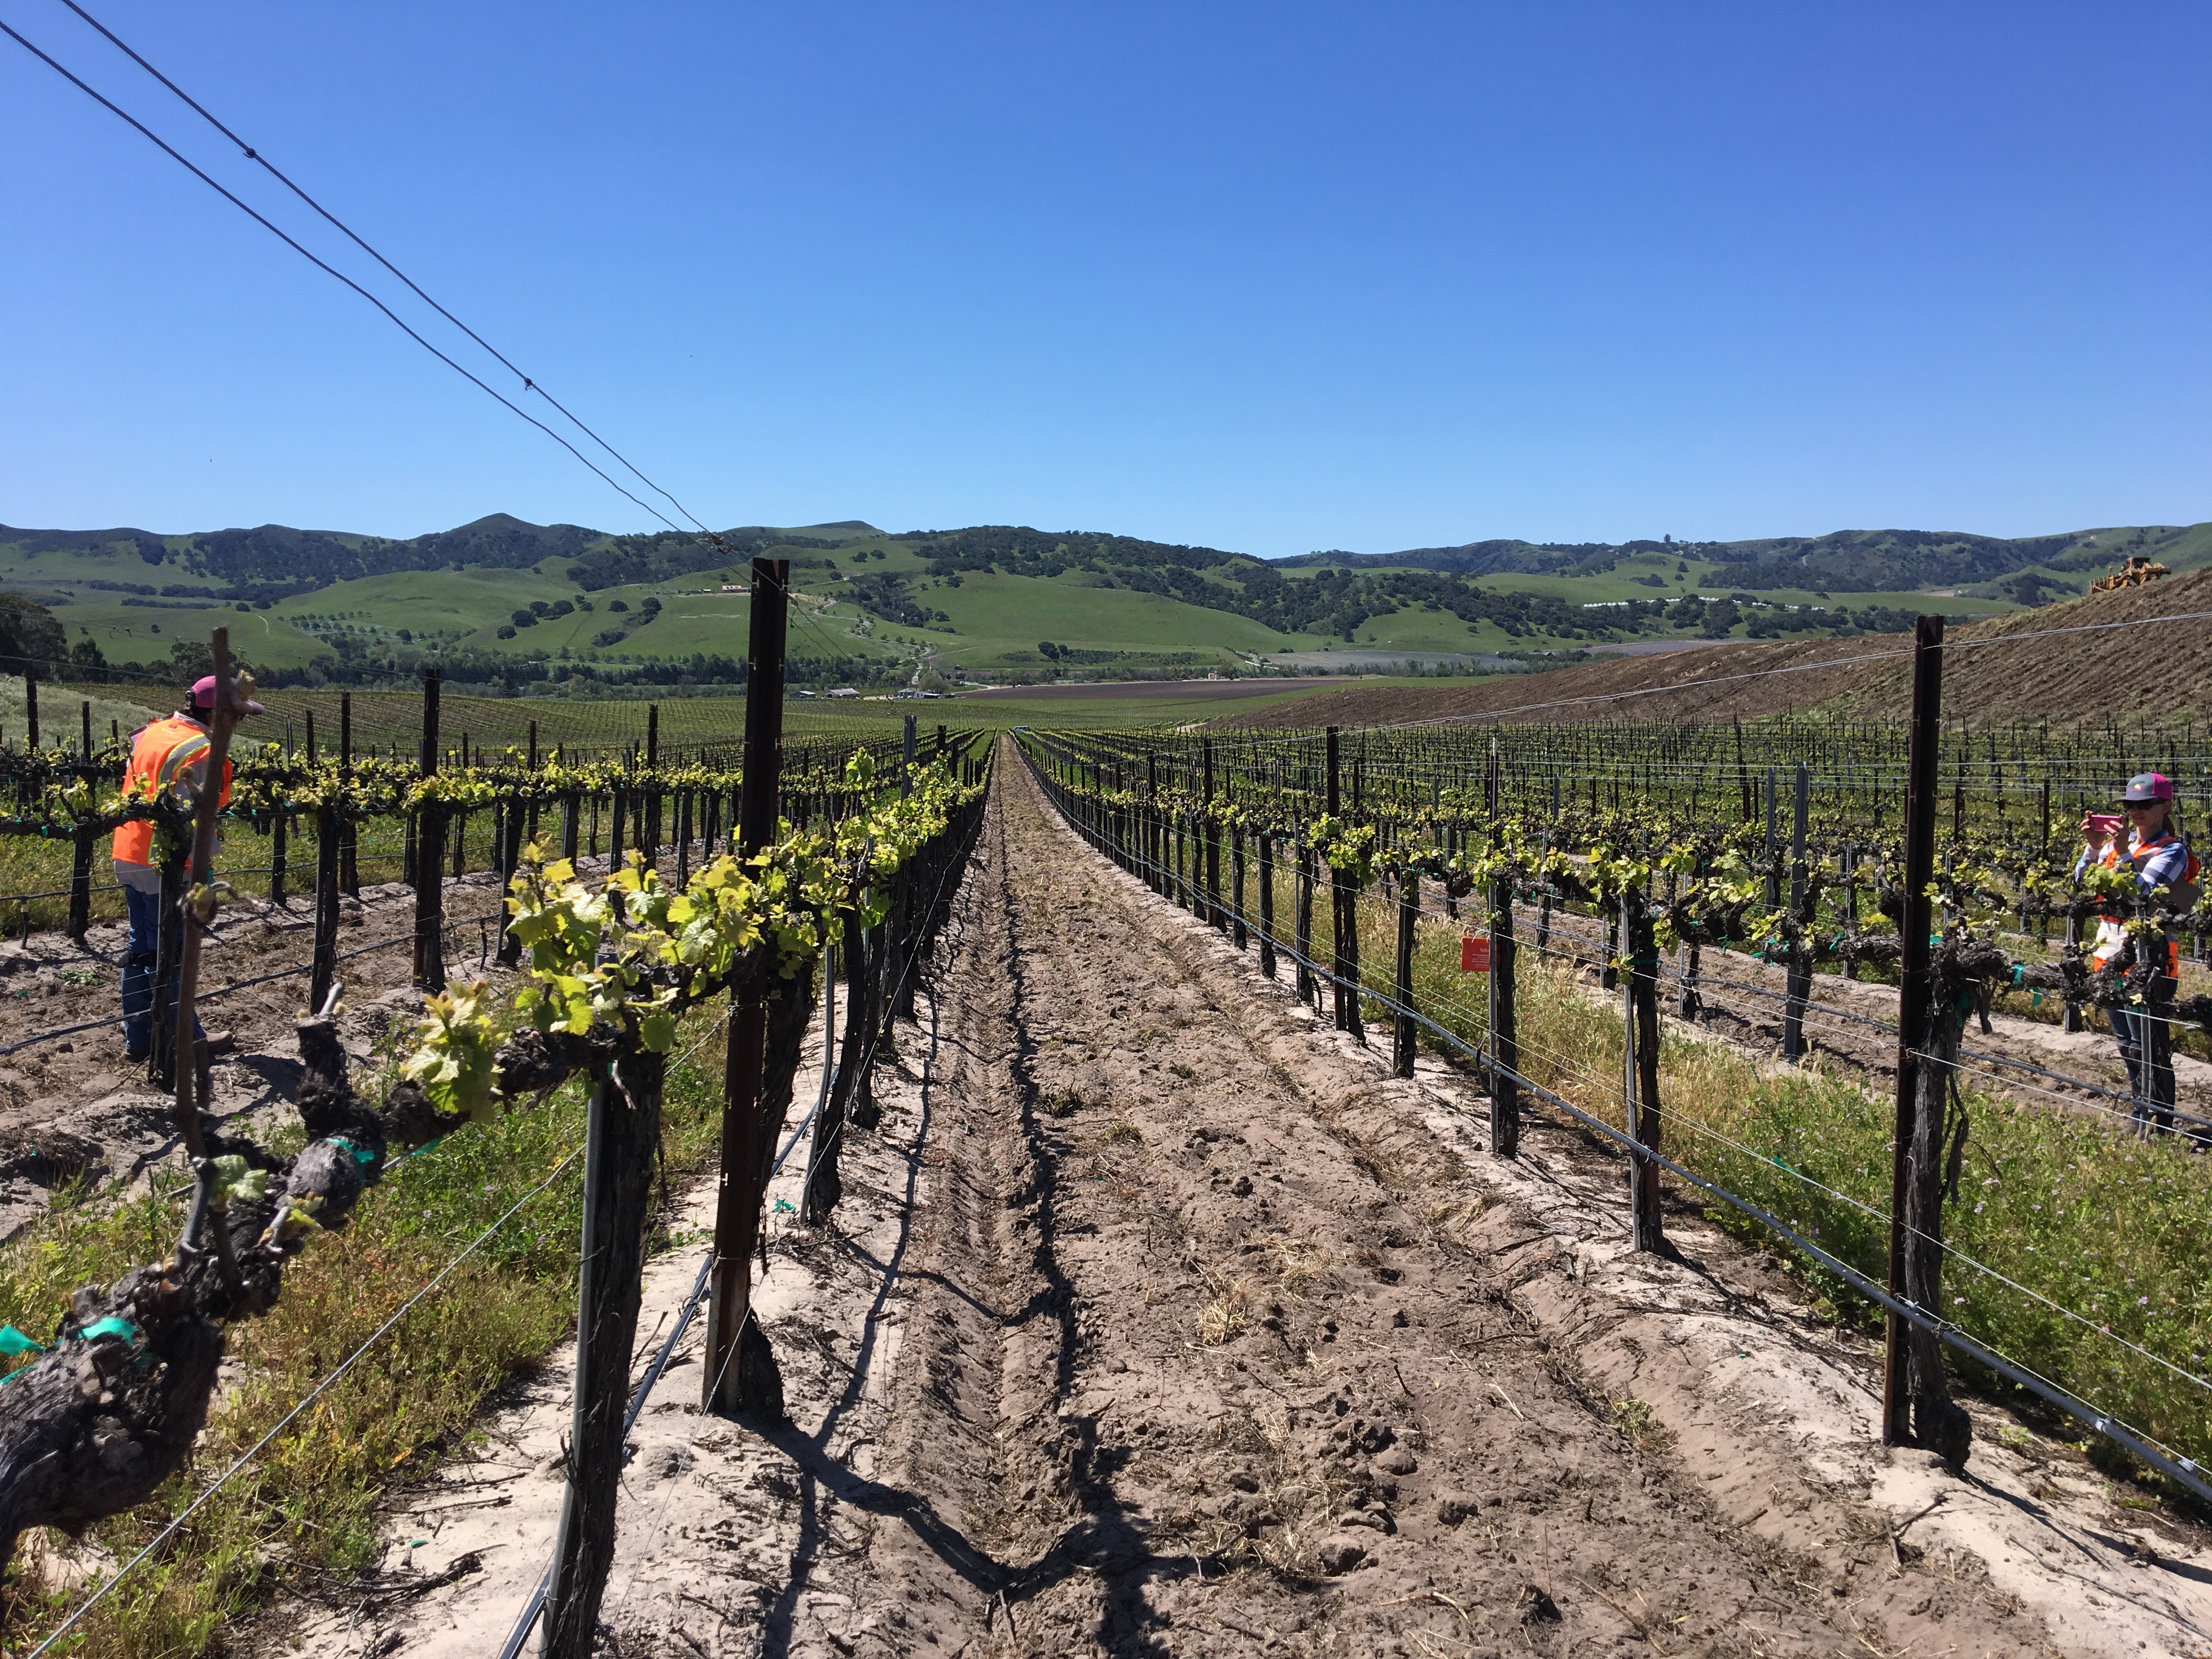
{"x":159,"y":755}
{"x":2109,"y":932}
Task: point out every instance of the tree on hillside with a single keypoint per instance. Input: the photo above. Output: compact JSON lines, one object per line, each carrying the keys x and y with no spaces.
{"x":32,"y":641}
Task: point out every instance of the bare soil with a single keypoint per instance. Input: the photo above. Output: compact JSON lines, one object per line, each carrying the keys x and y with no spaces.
{"x":1158,"y":1321}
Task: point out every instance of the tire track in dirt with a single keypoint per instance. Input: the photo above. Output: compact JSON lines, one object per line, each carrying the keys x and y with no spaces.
{"x":1198,"y":1361}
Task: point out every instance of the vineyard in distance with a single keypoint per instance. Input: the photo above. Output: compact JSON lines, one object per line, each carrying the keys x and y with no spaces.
{"x":1677,"y":1154}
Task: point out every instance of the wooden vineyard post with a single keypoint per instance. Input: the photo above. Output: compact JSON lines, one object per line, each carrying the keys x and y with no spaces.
{"x":325,"y":959}
{"x":190,"y":1085}
{"x":1344,"y":968}
{"x":649,"y":841}
{"x":2043,"y":850}
{"x":1302,"y":930}
{"x":510,"y":859}
{"x":1798,"y":981}
{"x":901,"y":1002}
{"x":80,"y":849}
{"x":349,"y":839}
{"x":429,"y":892}
{"x":1238,"y":936}
{"x":1640,"y":1068}
{"x":1402,"y":1019}
{"x":740,"y":1373}
{"x":1504,"y":1044}
{"x":278,"y":849}
{"x":1914,"y":992}
{"x":1850,"y":860}
{"x":622,"y":1136}
{"x":1210,"y":910}
{"x":1264,"y":852}
{"x":1156,"y":831}
{"x":80,"y":898}
{"x":1773,"y":848}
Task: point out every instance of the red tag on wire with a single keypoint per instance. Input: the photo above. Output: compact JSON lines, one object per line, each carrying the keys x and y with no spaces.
{"x":1473,"y":956}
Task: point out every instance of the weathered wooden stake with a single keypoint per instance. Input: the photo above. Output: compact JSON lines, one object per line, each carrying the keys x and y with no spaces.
{"x":1914,"y":992}
{"x":1640,"y":1068}
{"x":1267,"y":857}
{"x":1504,"y":1044}
{"x":429,"y":892}
{"x":1402,"y":1028}
{"x":740,"y":1374}
{"x":1798,"y":977}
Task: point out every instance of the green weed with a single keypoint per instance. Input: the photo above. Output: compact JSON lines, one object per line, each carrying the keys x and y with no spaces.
{"x":304,"y":1509}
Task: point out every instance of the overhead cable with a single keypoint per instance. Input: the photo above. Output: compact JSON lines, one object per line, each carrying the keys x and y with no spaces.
{"x":320,"y":265}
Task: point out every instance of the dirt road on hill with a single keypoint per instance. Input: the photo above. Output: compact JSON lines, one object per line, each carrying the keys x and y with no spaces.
{"x":1158,"y":1321}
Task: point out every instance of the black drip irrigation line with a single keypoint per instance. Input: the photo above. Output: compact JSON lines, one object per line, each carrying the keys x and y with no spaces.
{"x":2183,"y":1471}
{"x":243,"y":984}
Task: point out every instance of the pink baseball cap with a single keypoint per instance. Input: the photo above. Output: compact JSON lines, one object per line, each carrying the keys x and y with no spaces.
{"x":203,"y":695}
{"x":2146,"y":788}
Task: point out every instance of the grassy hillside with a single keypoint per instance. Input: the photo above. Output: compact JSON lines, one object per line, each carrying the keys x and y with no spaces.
{"x":984,"y":602}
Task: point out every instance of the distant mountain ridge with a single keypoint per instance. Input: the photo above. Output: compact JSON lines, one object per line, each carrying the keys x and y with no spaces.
{"x":273,"y":560}
{"x":274,"y":557}
{"x":1846,"y":560}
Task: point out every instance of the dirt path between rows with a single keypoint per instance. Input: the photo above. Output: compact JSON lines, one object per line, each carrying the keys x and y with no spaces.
{"x":1158,"y":1321}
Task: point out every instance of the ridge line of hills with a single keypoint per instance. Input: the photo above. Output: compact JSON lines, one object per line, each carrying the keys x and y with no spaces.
{"x":256,"y":562}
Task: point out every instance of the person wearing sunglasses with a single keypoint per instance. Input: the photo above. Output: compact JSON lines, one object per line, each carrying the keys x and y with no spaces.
{"x":2160,"y":859}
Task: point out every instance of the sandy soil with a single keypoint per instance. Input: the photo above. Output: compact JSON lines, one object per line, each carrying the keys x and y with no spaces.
{"x":1158,"y":1321}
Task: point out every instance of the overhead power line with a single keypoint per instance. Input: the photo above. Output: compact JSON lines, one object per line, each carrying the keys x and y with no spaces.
{"x":253,"y":155}
{"x":331,"y":270}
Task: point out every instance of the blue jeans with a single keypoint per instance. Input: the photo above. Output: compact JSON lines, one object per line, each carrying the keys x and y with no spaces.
{"x":2146,"y":1042}
{"x":139,"y":958}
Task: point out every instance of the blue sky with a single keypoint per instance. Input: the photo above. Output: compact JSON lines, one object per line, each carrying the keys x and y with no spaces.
{"x":1270,"y":277}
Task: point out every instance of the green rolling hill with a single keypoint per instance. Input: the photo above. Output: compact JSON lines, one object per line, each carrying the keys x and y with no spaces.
{"x":532,"y":607}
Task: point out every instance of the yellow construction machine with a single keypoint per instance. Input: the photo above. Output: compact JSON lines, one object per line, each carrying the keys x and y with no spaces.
{"x":2136,"y":572}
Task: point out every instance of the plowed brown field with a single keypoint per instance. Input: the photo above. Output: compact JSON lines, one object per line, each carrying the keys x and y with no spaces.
{"x":2150,"y":669}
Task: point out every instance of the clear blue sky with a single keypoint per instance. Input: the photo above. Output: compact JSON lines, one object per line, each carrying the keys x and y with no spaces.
{"x":1271,"y":278}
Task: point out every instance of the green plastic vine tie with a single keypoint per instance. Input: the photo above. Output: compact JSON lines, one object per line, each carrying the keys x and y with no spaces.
{"x":360,"y":1156}
{"x":14,"y":1342}
{"x":110,"y":1326}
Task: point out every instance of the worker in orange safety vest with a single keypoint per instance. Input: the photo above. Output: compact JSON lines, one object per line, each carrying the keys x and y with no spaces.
{"x":2160,"y":859}
{"x":168,"y":756}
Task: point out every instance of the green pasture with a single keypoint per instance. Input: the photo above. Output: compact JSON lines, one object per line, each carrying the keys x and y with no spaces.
{"x":998,"y":618}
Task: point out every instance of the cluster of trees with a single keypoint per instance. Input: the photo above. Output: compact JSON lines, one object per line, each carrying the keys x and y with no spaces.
{"x":887,"y":596}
